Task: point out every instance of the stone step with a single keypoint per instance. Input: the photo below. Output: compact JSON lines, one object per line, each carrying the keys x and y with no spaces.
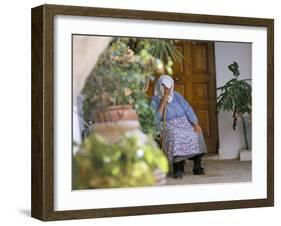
{"x":210,"y":156}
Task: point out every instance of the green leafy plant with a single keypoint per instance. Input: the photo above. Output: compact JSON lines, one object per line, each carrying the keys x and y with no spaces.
{"x":147,"y":118}
{"x":115,"y":79}
{"x":120,"y":77}
{"x":122,"y":73}
{"x":163,"y":49}
{"x":130,"y":162}
{"x":236,"y":96}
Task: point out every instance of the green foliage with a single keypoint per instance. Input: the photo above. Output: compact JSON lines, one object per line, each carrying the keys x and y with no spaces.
{"x":236,"y":95}
{"x":146,"y":117}
{"x":234,"y":68}
{"x":125,"y":164}
{"x":115,"y":80}
{"x":121,"y":74}
{"x":120,"y":77}
{"x":163,"y":48}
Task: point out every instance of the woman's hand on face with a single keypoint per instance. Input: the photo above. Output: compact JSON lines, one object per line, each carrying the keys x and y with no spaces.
{"x":166,"y":96}
{"x":167,"y":91}
{"x":197,"y":128}
{"x":165,"y":99}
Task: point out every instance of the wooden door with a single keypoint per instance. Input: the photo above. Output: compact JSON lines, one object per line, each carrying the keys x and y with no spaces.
{"x":195,"y":79}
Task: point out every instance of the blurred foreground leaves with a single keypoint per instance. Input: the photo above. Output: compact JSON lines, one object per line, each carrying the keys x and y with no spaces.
{"x":128,"y":163}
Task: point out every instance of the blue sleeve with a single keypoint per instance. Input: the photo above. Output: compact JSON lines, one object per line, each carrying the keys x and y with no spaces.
{"x":191,"y":116}
{"x":155,"y":103}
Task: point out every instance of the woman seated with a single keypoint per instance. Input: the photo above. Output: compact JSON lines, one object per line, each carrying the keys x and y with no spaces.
{"x":181,"y":134}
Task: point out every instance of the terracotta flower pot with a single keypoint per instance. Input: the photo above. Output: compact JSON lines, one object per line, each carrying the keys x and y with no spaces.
{"x":117,"y":113}
{"x":116,"y":121}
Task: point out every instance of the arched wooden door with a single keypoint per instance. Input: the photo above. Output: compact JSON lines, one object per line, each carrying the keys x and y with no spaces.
{"x":195,"y":79}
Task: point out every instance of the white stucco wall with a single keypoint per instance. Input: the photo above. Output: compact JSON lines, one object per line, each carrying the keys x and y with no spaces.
{"x":231,"y":141}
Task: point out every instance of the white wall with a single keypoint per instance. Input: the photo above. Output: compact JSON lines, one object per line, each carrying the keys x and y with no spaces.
{"x":231,"y":141}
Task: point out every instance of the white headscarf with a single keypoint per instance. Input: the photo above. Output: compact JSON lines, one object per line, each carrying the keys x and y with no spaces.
{"x":159,"y":89}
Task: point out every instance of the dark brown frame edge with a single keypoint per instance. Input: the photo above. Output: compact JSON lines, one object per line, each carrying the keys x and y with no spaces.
{"x":42,"y":197}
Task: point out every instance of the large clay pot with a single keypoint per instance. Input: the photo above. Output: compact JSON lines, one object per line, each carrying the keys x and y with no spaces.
{"x":116,"y":121}
{"x":117,"y":113}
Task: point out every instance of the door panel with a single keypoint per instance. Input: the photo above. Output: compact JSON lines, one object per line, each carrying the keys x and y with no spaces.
{"x":198,"y":53}
{"x":179,"y":88}
{"x":178,"y":68}
{"x":200,"y":92}
{"x":203,"y":118}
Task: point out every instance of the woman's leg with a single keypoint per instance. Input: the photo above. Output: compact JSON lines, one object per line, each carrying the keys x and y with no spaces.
{"x":197,"y":169}
{"x":179,"y":169}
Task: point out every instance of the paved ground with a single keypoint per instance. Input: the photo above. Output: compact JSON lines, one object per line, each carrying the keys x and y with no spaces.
{"x":217,"y":171}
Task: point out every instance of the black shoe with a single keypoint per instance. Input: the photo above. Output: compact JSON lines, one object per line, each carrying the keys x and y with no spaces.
{"x":199,"y":171}
{"x":178,"y":174}
{"x":178,"y":169}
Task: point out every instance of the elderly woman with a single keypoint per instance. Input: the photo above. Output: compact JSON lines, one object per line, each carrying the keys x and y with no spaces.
{"x":181,"y":135}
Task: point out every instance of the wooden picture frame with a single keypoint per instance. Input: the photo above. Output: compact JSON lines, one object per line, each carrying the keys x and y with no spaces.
{"x":42,"y":203}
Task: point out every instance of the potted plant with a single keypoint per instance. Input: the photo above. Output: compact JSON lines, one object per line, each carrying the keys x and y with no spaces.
{"x":236,"y":96}
{"x":118,"y":153}
{"x":116,"y":88}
